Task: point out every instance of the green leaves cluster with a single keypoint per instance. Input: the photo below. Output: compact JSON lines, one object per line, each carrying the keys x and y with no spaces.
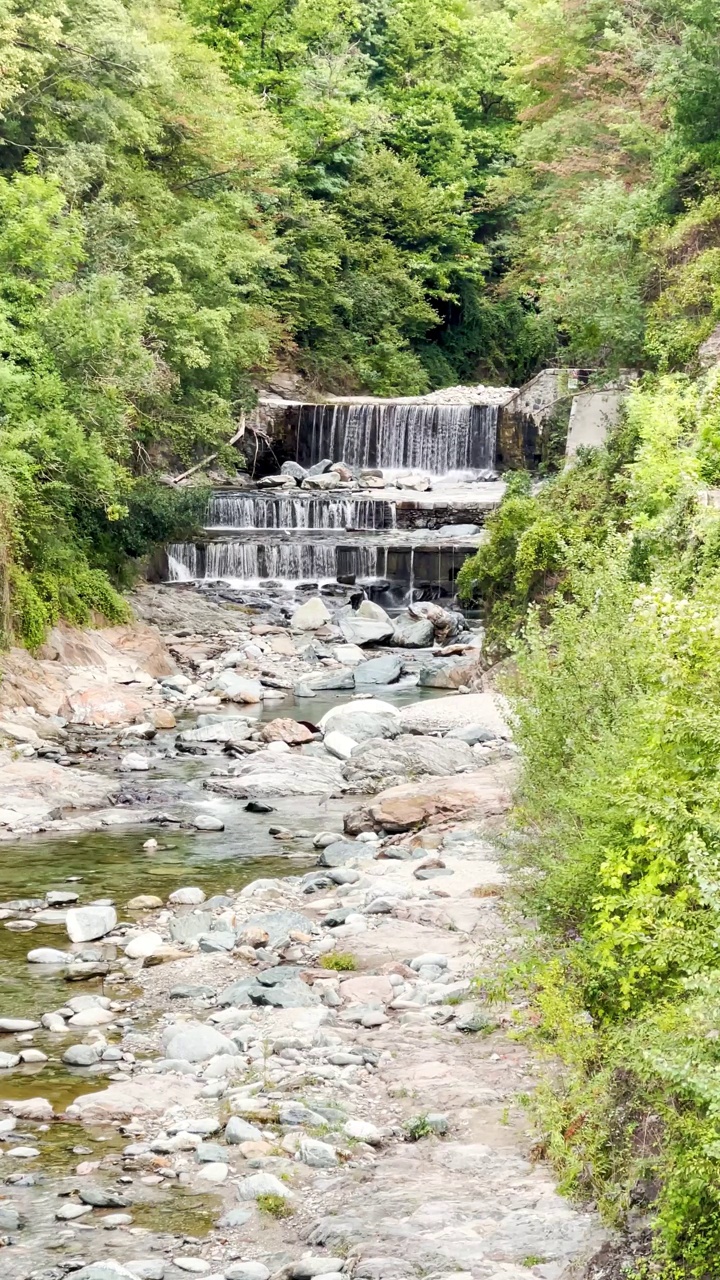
{"x":615,"y":689}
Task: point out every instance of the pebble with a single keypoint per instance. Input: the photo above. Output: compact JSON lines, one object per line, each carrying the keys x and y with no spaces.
{"x":116,"y":1220}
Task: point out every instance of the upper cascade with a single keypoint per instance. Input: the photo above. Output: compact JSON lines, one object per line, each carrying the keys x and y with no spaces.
{"x":395,"y":436}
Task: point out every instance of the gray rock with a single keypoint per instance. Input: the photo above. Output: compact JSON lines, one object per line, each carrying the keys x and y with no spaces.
{"x":317,"y":1155}
{"x":230,"y":729}
{"x":238,"y":1130}
{"x":448,"y":673}
{"x":48,"y":955}
{"x":262,"y":1184}
{"x":298,"y":473}
{"x":102,"y":1198}
{"x":435,"y":958}
{"x":236,"y":688}
{"x":279,"y":925}
{"x":9,"y":1218}
{"x":188,"y":896}
{"x":8,"y":1061}
{"x":437,"y":1122}
{"x":81,"y":1055}
{"x":458,"y":530}
{"x":210,"y":1153}
{"x":187,"y":928}
{"x":192,"y":993}
{"x":235,"y":1218}
{"x":237,"y":994}
{"x":319,"y":468}
{"x":108,"y":1270}
{"x":336,"y":855}
{"x":18,"y":1024}
{"x":208,"y":822}
{"x":363,"y":725}
{"x":147,"y":1268}
{"x":247,"y":1271}
{"x":362,"y":631}
{"x":289,"y":995}
{"x":337,"y":678}
{"x":195,"y":1042}
{"x":413,"y":633}
{"x":471,"y":734}
{"x":377,"y":764}
{"x":217,"y":941}
{"x":84,"y":924}
{"x":385,"y":669}
{"x":61,"y":898}
{"x":309,"y":1267}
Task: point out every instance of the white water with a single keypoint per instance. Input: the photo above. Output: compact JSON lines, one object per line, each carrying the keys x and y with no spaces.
{"x":435,"y":438}
{"x":266,"y":511}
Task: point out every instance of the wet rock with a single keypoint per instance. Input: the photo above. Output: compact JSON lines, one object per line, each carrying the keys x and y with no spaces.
{"x":236,"y":688}
{"x":258,"y":806}
{"x":61,"y":898}
{"x":330,"y":480}
{"x":8,"y":1061}
{"x":134,"y":762}
{"x":38,"y":1109}
{"x":208,"y":822}
{"x":145,"y":902}
{"x":195,"y":1042}
{"x":91,"y":1018}
{"x":68,"y":1212}
{"x":18,"y":1024}
{"x":84,"y":924}
{"x":9,"y":1218}
{"x":311,"y":615}
{"x":187,"y":897}
{"x":81,"y":1055}
{"x":293,"y":469}
{"x":101,"y":1197}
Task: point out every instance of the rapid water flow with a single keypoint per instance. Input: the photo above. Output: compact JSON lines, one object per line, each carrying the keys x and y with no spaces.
{"x":436,"y":438}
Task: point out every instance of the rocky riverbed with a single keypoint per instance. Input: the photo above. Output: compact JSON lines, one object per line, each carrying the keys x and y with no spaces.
{"x":241,"y":1031}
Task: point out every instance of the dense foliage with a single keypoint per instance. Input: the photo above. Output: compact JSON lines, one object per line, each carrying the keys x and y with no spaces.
{"x":382,"y":195}
{"x":606,"y":586}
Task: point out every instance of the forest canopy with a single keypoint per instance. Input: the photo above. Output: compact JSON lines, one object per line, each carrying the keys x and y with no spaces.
{"x":379,"y":195}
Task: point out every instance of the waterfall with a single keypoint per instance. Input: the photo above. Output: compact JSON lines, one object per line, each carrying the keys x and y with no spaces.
{"x":182,"y":558}
{"x":435,"y":438}
{"x":276,"y":511}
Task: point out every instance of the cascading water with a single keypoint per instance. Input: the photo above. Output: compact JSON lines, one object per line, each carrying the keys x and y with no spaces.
{"x":275,"y":511}
{"x":436,"y":438}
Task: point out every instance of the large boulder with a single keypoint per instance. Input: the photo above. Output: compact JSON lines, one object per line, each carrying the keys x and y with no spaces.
{"x":439,"y":715}
{"x":413,"y":633}
{"x":449,"y":673}
{"x":328,"y":678}
{"x":362,"y":719}
{"x":103,"y":706}
{"x":33,"y":789}
{"x":413,"y":804}
{"x":268,"y":774}
{"x":293,"y":732}
{"x":368,"y":609}
{"x":237,"y":688}
{"x":362,"y":631}
{"x":85,"y":924}
{"x":312,"y":614}
{"x":379,"y":763}
{"x":229,"y":729}
{"x":385,"y":669}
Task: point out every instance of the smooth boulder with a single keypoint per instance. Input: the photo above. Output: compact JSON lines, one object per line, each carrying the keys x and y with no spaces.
{"x":85,"y":924}
{"x":413,"y":804}
{"x":311,"y":615}
{"x":385,"y":669}
{"x":379,"y":763}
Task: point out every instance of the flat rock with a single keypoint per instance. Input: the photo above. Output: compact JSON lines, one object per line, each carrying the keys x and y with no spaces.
{"x":385,"y":669}
{"x":361,"y":630}
{"x":377,"y":763}
{"x":293,"y":732}
{"x":236,"y":688}
{"x":282,"y":775}
{"x":413,"y":804}
{"x":187,"y":897}
{"x":196,"y":1042}
{"x":440,"y":715}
